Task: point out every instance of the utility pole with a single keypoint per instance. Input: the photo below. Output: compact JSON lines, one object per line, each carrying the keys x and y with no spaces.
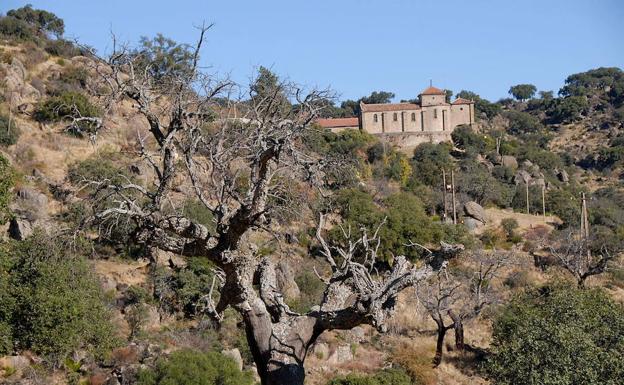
{"x":453,"y":192}
{"x":584,"y":219}
{"x":444,"y":189}
{"x":543,"y":201}
{"x":526,"y":184}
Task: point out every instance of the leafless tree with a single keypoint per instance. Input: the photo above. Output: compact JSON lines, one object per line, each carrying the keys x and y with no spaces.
{"x":575,"y":255}
{"x":236,"y":162}
{"x":453,"y":298}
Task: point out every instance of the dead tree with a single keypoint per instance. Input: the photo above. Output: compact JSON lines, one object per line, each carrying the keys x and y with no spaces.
{"x":235,"y":161}
{"x":453,"y":298}
{"x":576,"y":256}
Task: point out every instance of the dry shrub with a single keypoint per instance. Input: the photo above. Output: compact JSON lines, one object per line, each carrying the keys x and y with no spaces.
{"x":32,"y":55}
{"x":97,"y":379}
{"x":125,"y":355}
{"x":416,"y":359}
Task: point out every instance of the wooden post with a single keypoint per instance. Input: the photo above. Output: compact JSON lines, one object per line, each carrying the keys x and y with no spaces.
{"x":584,"y":219}
{"x":543,"y":201}
{"x":526,"y":184}
{"x":453,"y":192}
{"x":444,"y":187}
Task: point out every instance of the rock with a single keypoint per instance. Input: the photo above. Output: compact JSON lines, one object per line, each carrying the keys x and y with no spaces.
{"x":357,"y":334}
{"x":474,"y":210}
{"x":562,"y":175}
{"x":539,"y":182}
{"x":510,"y":161}
{"x":527,"y":164}
{"x":321,"y":350}
{"x":342,"y":354}
{"x":521,"y":177}
{"x":20,"y":228}
{"x":286,"y":280}
{"x":235,"y":355}
{"x":168,"y":259}
{"x":32,"y":196}
{"x":291,"y":238}
{"x":472,"y":224}
{"x":15,"y":362}
{"x":108,"y":283}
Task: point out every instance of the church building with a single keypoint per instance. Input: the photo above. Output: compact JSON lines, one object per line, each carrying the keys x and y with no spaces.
{"x":431,"y":114}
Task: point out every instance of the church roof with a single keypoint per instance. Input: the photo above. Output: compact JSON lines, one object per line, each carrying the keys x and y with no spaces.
{"x":462,"y":101}
{"x":388,"y":107}
{"x":432,"y":91}
{"x":338,"y":122}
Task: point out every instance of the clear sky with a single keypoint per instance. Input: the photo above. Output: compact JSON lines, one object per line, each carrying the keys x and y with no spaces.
{"x":358,"y":46}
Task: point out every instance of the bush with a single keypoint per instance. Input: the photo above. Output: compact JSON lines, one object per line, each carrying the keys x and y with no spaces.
{"x":9,"y":133}
{"x":15,"y":28}
{"x":62,"y":48}
{"x":65,"y":106}
{"x":52,"y":301}
{"x":569,"y":109}
{"x":559,"y":336}
{"x":191,"y":367}
{"x":96,"y":168}
{"x":473,"y":143}
{"x":384,"y":377}
{"x":7,"y":179}
{"x":311,"y":291}
{"x":429,"y":160}
{"x":523,"y":123}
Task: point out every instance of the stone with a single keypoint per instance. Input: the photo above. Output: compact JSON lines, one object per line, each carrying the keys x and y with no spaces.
{"x":474,"y":210}
{"x":15,"y":362}
{"x":286,"y":280}
{"x":152,"y":318}
{"x":20,"y":228}
{"x":235,"y":355}
{"x":509,"y":161}
{"x":563,"y":176}
{"x":357,"y":334}
{"x":521,"y":177}
{"x":321,"y":350}
{"x":342,"y":354}
{"x":472,"y":224}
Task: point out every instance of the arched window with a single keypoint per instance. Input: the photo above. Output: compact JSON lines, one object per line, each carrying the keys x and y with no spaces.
{"x":435,"y":113}
{"x":395,"y":117}
{"x":413,"y":116}
{"x":375,"y":118}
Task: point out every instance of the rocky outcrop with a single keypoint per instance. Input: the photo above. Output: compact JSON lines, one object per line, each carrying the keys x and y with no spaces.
{"x":17,"y":90}
{"x":474,"y":210}
{"x":235,"y":355}
{"x":286,"y":280}
{"x":20,"y":228}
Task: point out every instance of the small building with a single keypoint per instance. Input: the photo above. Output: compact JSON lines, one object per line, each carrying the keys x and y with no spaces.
{"x":339,"y":124}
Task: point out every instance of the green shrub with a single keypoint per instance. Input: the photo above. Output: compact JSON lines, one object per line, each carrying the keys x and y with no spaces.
{"x":53,"y":302}
{"x":9,"y":133}
{"x":569,"y":109}
{"x":194,"y":368}
{"x":7,"y":179}
{"x":196,"y":211}
{"x":559,"y":336}
{"x":473,"y":143}
{"x":62,"y":48}
{"x":429,"y":160}
{"x":523,"y":123}
{"x":15,"y":28}
{"x":97,"y":168}
{"x":66,"y":105}
{"x":383,"y":377}
{"x":311,"y":291}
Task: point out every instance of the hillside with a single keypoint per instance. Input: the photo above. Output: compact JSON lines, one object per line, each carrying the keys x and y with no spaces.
{"x":124,"y":185}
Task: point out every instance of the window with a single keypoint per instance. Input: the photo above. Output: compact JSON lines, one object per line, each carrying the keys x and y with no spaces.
{"x":435,"y":113}
{"x":461,"y":108}
{"x":413,"y":117}
{"x":375,"y":118}
{"x":395,"y":117}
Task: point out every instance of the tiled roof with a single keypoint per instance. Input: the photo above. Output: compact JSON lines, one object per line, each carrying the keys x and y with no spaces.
{"x":338,"y":122}
{"x":462,"y":101}
{"x":389,"y":107}
{"x":432,"y":91}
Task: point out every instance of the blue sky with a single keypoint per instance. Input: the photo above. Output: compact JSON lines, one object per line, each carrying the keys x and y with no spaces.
{"x":358,"y":46}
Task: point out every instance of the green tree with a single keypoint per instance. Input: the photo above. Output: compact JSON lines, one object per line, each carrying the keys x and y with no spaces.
{"x":383,"y":377}
{"x":559,"y":336}
{"x":523,"y":122}
{"x":54,"y":300}
{"x":7,"y":179}
{"x":43,"y":22}
{"x":375,"y":97}
{"x":568,"y":109}
{"x":522,"y":92}
{"x":163,"y":58}
{"x":429,"y":160}
{"x":190,"y":367}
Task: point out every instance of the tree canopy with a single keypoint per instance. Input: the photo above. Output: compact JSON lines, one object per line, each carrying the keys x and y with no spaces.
{"x":559,"y":336}
{"x":522,"y":91}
